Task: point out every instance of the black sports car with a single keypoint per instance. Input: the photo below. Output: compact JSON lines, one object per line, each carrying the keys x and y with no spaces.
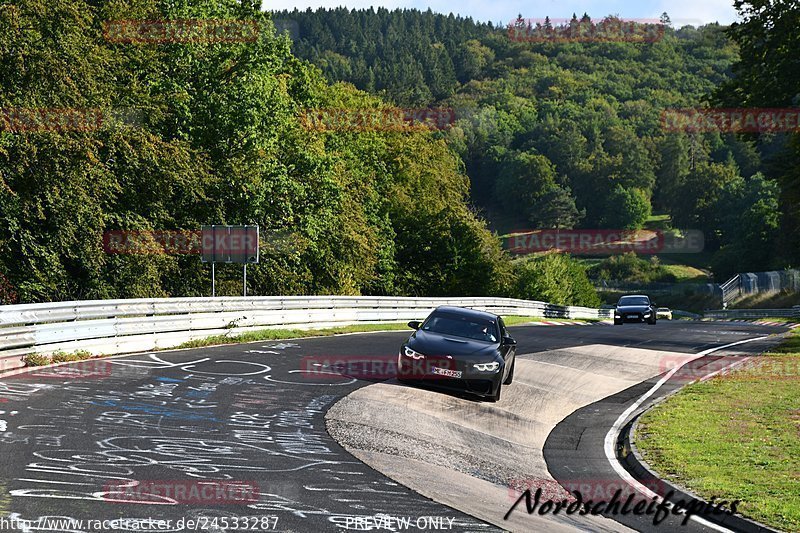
{"x":635,"y":308}
{"x":461,"y":349}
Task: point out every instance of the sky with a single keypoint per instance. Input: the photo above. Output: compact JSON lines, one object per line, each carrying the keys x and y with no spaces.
{"x":694,"y":12}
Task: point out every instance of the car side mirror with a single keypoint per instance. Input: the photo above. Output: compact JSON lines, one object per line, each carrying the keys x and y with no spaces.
{"x":509,"y":341}
{"x":414,"y":324}
{"x":653,"y":304}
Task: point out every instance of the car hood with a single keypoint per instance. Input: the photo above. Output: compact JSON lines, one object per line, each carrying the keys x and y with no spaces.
{"x":436,"y":344}
{"x":633,"y":308}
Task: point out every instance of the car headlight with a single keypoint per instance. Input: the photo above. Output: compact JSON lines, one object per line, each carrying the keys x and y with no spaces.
{"x":486,"y":367}
{"x":411,"y":353}
{"x":646,"y":314}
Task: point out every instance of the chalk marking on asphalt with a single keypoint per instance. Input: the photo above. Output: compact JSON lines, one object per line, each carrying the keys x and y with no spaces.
{"x":613,"y":433}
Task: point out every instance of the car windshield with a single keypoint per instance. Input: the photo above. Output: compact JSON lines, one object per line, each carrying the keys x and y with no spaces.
{"x":634,"y":300}
{"x":665,"y":309}
{"x":461,"y":326}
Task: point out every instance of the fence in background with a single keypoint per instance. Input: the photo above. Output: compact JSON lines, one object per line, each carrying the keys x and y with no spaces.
{"x":127,"y":326}
{"x":740,"y":285}
{"x":755,"y":282}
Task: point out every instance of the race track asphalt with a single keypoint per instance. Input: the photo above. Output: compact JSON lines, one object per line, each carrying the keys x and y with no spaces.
{"x":234,"y":437}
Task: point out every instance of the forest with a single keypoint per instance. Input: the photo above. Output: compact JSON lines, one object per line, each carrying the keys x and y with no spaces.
{"x":571,"y":133}
{"x":182,"y":134}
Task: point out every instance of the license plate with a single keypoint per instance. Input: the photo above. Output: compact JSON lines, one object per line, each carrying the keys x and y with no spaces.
{"x":446,"y":372}
{"x":630,"y":316}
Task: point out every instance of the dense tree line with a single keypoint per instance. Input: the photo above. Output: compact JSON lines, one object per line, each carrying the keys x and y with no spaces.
{"x":766,"y":75}
{"x":571,"y":134}
{"x":215,"y":138}
{"x":547,"y":135}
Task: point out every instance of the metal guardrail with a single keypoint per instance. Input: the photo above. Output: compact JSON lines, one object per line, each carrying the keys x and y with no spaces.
{"x":751,"y":313}
{"x":687,"y":314}
{"x":126,"y":326}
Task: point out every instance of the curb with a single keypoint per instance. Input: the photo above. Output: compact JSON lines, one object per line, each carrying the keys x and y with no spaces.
{"x":564,"y":323}
{"x":790,"y":325}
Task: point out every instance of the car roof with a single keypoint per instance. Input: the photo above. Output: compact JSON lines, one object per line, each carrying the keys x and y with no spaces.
{"x":634,"y":296}
{"x":467,"y":312}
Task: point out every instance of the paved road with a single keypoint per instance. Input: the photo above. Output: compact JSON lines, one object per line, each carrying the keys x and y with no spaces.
{"x":478,"y":457}
{"x":173,"y":421}
{"x":574,"y":450}
{"x":239,"y":432}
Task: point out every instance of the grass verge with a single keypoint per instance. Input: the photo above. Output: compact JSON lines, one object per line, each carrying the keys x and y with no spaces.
{"x":280,"y":334}
{"x":767,"y":300}
{"x":687,"y":274}
{"x":516,"y":320}
{"x":736,"y":437}
{"x":59,"y":356}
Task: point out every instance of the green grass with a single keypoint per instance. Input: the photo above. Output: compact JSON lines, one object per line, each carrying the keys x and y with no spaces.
{"x":700,"y":260}
{"x":281,"y":334}
{"x":515,"y":320}
{"x":736,"y":437}
{"x":36,"y":359}
{"x":59,"y":356}
{"x":767,"y":300}
{"x":657,"y":222}
{"x":688,"y":274}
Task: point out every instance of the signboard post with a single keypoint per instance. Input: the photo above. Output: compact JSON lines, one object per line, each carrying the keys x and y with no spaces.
{"x":229,"y":244}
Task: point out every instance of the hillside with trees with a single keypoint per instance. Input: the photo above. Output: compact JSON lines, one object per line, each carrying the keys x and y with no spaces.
{"x":545,"y":135}
{"x":570,"y":134}
{"x":215,"y":138}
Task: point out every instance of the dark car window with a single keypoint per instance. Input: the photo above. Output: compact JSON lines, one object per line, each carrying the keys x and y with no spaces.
{"x":634,"y":300}
{"x":461,"y":326}
{"x":503,"y":330}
